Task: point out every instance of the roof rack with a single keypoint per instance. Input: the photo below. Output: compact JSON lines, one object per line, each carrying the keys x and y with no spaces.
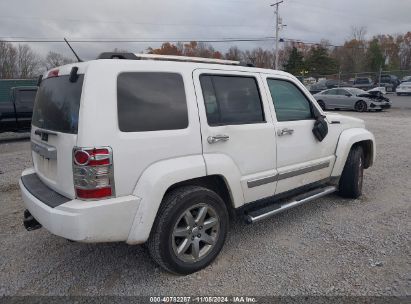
{"x":133,"y":56}
{"x":186,"y":59}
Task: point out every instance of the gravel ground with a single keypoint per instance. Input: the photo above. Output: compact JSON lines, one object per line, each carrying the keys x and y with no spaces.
{"x":332,"y":246}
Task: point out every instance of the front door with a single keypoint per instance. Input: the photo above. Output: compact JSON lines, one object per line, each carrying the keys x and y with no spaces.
{"x":301,"y":158}
{"x":238,"y":134}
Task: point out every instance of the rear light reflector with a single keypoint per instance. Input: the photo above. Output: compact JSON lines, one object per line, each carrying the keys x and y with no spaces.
{"x":93,"y":173}
{"x":81,"y":157}
{"x":94,"y":193}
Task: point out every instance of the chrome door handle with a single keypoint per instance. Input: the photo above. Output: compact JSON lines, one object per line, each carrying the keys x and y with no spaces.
{"x":217,"y":138}
{"x":285,"y":131}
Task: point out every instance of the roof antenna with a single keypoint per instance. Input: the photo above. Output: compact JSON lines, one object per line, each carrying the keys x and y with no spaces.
{"x":75,"y":54}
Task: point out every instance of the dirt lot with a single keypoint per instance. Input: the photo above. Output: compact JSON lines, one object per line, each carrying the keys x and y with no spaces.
{"x":332,"y":246}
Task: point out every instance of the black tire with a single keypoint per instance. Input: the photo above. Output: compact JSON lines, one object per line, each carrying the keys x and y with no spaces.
{"x":399,"y":94}
{"x":351,"y":180}
{"x":162,"y":242}
{"x":360,"y":106}
{"x":378,"y":110}
{"x":321,"y":104}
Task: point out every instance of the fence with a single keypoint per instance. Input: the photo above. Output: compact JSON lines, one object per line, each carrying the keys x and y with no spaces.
{"x":349,"y":77}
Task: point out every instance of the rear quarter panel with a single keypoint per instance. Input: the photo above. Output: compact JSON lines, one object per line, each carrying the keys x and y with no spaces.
{"x":133,"y":152}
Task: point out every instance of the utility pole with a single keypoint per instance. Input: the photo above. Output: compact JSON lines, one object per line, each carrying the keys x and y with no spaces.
{"x":277,"y":29}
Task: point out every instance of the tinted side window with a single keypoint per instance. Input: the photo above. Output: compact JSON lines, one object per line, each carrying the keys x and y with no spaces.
{"x":342,"y":92}
{"x":289,"y":102}
{"x":151,"y":101}
{"x":231,"y":100}
{"x":332,"y":92}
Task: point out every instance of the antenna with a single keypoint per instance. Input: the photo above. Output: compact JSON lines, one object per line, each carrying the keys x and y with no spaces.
{"x":75,"y":54}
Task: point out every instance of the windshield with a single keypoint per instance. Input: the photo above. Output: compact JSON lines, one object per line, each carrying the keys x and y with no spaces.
{"x":356,"y":91}
{"x":57,"y":104}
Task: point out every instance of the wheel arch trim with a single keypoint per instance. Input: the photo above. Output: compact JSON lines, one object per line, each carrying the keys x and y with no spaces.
{"x":156,"y":180}
{"x":347,"y":140}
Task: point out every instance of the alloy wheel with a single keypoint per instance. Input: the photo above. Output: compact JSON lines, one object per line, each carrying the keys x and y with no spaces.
{"x":195,"y":233}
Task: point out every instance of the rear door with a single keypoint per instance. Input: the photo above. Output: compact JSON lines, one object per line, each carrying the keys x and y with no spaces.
{"x":238,"y":134}
{"x":54,"y":131}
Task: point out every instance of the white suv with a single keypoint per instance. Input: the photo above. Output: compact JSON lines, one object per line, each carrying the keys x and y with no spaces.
{"x":138,"y":148}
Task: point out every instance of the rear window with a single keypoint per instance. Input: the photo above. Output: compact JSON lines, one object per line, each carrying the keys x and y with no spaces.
{"x":57,"y":104}
{"x":151,"y":101}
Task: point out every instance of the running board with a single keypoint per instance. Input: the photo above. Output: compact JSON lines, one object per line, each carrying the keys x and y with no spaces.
{"x":261,"y":214}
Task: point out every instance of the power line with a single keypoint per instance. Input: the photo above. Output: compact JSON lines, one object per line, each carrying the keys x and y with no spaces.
{"x":124,"y":22}
{"x":173,"y":40}
{"x":45,"y":40}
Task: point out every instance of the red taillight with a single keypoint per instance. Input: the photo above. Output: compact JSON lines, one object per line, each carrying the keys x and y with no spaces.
{"x":53,"y":73}
{"x":92,"y":157}
{"x":81,"y":157}
{"x":93,"y":193}
{"x":93,"y":172}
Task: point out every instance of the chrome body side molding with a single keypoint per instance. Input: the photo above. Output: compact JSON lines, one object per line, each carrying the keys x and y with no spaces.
{"x":262,"y":181}
{"x":273,"y":178}
{"x":304,"y":170}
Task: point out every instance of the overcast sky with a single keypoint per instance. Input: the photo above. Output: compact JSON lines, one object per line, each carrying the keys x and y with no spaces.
{"x":194,"y":19}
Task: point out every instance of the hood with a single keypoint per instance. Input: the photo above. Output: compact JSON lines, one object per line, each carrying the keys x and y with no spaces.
{"x":346,"y":121}
{"x":375,"y":95}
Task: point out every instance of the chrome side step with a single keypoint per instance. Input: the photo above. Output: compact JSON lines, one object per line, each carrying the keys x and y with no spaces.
{"x":258,"y":215}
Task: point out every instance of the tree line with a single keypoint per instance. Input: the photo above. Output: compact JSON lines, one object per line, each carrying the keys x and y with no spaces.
{"x":21,"y":62}
{"x":357,"y":54}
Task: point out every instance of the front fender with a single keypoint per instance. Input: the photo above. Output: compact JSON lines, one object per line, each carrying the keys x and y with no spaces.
{"x":152,"y":186}
{"x":347,"y":139}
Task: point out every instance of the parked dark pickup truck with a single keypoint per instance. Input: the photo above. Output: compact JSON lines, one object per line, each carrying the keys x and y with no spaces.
{"x":15,"y":115}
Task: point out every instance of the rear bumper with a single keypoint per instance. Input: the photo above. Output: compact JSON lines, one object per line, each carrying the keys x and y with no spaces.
{"x":107,"y":220}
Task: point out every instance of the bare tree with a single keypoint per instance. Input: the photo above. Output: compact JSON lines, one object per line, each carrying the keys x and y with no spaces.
{"x":18,"y":62}
{"x":8,"y":57}
{"x":404,"y":44}
{"x":54,"y":59}
{"x":358,"y":33}
{"x":260,"y":58}
{"x":28,"y":62}
{"x":234,"y":53}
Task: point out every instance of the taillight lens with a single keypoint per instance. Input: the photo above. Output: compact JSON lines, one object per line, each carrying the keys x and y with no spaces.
{"x":93,"y":193}
{"x":93,"y":172}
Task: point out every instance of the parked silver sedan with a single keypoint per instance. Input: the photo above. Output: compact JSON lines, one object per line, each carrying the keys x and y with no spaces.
{"x":352,"y":99}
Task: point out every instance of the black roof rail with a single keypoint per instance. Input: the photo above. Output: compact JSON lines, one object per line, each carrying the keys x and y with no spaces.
{"x":247,"y":64}
{"x":133,"y":56}
{"x":117,"y":55}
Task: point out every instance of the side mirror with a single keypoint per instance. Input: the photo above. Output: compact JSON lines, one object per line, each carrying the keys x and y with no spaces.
{"x":320,"y":129}
{"x":348,"y":95}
